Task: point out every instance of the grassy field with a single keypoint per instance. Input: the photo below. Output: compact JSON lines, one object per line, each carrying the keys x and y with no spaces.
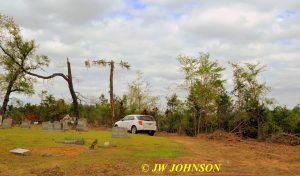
{"x":126,"y":155}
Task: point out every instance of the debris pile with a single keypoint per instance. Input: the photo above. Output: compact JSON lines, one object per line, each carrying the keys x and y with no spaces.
{"x":56,"y":171}
{"x":223,"y":136}
{"x":285,"y":138}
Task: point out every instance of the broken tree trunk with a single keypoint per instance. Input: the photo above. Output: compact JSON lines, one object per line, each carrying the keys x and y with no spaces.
{"x":94,"y":143}
{"x":67,"y":78}
{"x":72,"y":92}
{"x":111,"y":92}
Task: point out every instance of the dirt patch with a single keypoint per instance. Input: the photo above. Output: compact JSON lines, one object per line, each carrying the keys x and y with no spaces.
{"x":223,"y":136}
{"x":285,"y":138}
{"x":249,"y":157}
{"x":120,"y":169}
{"x":163,"y":134}
{"x":56,"y":171}
{"x":48,"y":151}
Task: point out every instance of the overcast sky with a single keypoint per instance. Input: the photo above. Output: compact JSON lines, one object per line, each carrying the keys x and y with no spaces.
{"x":151,"y":34}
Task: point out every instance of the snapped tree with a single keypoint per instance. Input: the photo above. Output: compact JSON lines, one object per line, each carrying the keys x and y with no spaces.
{"x":111,"y":64}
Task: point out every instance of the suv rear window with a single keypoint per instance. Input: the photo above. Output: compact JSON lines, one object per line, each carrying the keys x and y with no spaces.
{"x":145,"y":118}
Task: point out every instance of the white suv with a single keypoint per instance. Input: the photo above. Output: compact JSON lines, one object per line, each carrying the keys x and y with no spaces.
{"x":138,"y":123}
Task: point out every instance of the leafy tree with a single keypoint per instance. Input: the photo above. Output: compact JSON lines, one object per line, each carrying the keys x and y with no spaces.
{"x":52,"y":109}
{"x":224,"y":110}
{"x":15,"y":48}
{"x":121,"y":107}
{"x":203,"y":78}
{"x":177,"y":117}
{"x":250,"y":98}
{"x":20,"y":54}
{"x":172,"y":102}
{"x":138,"y":96}
{"x":296,"y":119}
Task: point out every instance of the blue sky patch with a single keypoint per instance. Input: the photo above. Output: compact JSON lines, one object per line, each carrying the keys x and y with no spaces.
{"x":136,"y":4}
{"x":286,"y":14}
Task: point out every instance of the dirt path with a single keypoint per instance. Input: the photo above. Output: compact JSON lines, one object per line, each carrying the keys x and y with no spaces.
{"x":241,"y":157}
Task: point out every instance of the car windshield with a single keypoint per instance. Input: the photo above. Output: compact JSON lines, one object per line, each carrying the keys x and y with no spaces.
{"x":145,"y":118}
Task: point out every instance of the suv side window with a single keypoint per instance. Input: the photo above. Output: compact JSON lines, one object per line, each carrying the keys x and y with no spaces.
{"x":126,"y":118}
{"x":131,"y":118}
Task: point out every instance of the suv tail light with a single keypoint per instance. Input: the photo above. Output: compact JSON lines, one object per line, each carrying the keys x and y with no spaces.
{"x":140,"y":122}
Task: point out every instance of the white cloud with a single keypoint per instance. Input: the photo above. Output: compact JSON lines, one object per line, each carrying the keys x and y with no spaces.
{"x":150,"y":34}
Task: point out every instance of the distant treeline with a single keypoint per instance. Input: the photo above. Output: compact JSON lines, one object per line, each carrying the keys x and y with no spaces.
{"x":244,"y":111}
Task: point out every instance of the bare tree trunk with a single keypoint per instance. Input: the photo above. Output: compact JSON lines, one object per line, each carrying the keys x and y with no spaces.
{"x":139,"y":99}
{"x":195,"y":123}
{"x":199,"y":120}
{"x":72,"y":92}
{"x":111,"y":92}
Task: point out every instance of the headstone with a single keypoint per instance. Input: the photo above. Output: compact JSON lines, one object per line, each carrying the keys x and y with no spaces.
{"x":119,"y":132}
{"x":67,"y":117}
{"x":65,"y":125}
{"x":7,"y":123}
{"x":57,"y":126}
{"x":82,"y":124}
{"x":20,"y":151}
{"x":47,"y":126}
{"x":0,"y":119}
{"x":25,"y":124}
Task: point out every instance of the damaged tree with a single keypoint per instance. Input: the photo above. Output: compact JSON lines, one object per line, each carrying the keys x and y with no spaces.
{"x":111,"y":63}
{"x":19,"y":59}
{"x":68,"y":79}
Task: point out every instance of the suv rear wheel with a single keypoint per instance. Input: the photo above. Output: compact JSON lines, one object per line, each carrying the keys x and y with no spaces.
{"x":133,"y":130}
{"x":151,"y":133}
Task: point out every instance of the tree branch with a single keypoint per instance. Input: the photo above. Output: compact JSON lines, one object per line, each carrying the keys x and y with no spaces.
{"x":17,"y":90}
{"x":29,"y":73}
{"x":78,"y":94}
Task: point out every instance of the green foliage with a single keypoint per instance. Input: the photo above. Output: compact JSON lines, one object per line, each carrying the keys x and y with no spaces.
{"x":203,"y":78}
{"x":282,"y":119}
{"x":250,"y":99}
{"x":121,"y":107}
{"x":15,"y":49}
{"x":75,"y":138}
{"x":224,"y":111}
{"x":97,"y":114}
{"x":176,"y":120}
{"x":138,"y":96}
{"x":15,"y":114}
